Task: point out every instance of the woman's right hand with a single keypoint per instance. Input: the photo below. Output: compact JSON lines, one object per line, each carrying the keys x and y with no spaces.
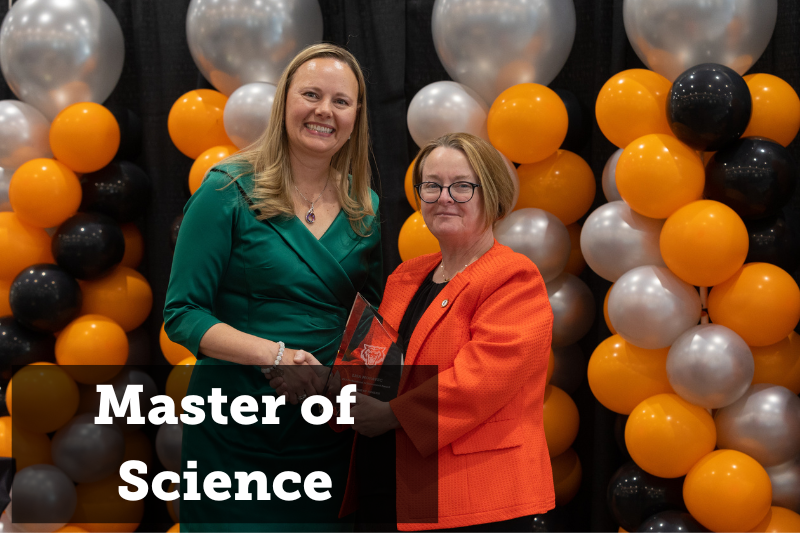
{"x":302,"y":376}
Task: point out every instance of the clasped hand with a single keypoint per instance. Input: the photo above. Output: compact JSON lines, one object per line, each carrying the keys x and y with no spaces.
{"x":302,"y":375}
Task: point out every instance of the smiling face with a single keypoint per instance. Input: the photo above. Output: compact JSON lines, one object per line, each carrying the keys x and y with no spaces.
{"x":321,"y":107}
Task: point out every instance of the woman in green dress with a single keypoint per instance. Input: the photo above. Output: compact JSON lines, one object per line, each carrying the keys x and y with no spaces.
{"x":272,"y":250}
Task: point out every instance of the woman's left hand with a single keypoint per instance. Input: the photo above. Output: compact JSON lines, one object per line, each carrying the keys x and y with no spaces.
{"x":372,"y":417}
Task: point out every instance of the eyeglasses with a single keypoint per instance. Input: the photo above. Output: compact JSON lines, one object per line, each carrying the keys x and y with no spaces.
{"x":460,"y":191}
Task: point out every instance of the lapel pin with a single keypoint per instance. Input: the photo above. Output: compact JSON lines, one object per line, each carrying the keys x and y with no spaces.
{"x":444,"y":302}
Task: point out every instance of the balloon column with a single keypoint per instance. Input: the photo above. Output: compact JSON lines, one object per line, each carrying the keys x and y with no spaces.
{"x":694,"y":241}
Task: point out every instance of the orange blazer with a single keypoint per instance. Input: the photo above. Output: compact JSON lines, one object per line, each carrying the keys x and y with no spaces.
{"x":489,"y":334}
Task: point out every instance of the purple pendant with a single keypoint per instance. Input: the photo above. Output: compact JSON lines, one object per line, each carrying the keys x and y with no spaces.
{"x":310,"y":216}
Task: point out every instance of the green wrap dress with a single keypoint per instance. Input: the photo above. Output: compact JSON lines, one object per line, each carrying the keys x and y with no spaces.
{"x":275,"y":280}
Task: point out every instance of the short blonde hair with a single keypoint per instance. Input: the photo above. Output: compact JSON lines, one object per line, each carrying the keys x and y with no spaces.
{"x":269,"y":155}
{"x":488,"y":165}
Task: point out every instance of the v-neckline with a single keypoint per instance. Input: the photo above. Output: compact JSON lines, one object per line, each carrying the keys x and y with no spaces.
{"x":324,"y":233}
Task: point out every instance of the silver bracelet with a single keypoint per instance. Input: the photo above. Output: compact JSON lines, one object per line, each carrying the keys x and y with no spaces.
{"x":267,"y":369}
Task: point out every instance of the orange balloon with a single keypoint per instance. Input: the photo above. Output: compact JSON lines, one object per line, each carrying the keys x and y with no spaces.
{"x":657,"y":175}
{"x":178,"y":381}
{"x":195,"y":122}
{"x":205,"y":161}
{"x":527,"y":122}
{"x":408,"y":185}
{"x":175,"y":528}
{"x":561,"y":420}
{"x":727,"y":490}
{"x":567,"y":475}
{"x":28,"y":448}
{"x":562,"y":184}
{"x":123,"y":296}
{"x":631,"y":104}
{"x":134,"y":245}
{"x":416,"y":239}
{"x":71,"y":529}
{"x":576,"y":263}
{"x":704,"y":243}
{"x":22,"y":244}
{"x":779,"y":363}
{"x":622,"y":375}
{"x":779,"y":520}
{"x":101,"y":508}
{"x":85,"y":136}
{"x":173,"y":352}
{"x":551,"y":366}
{"x":5,"y":289}
{"x":46,"y":397}
{"x":138,"y":448}
{"x":44,"y":193}
{"x":92,"y":349}
{"x":776,"y":109}
{"x":605,"y":312}
{"x":666,"y":435}
{"x":760,"y":302}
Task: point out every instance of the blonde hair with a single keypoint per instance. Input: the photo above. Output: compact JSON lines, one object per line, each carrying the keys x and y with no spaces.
{"x":268,"y":157}
{"x":488,"y":165}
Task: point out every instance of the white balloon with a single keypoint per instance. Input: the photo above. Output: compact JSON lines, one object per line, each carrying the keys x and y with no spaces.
{"x":538,"y":235}
{"x":5,"y":181}
{"x":573,"y":309}
{"x":609,"y":177}
{"x":24,"y":134}
{"x":446,"y":107}
{"x":247,"y":112}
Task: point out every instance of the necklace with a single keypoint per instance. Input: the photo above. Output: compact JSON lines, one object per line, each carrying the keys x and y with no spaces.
{"x":445,"y":278}
{"x":310,"y":216}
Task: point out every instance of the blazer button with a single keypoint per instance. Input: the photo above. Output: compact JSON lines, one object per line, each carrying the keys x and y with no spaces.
{"x":444,"y":303}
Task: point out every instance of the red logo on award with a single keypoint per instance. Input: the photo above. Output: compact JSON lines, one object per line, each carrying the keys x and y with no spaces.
{"x":373,"y":355}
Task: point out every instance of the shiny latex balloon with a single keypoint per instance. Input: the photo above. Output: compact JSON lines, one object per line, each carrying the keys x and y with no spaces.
{"x":622,"y":375}
{"x":247,"y":112}
{"x":754,"y":176}
{"x":785,"y":481}
{"x":760,"y":302}
{"x":666,"y":435}
{"x":569,"y":368}
{"x":408,"y":186}
{"x":134,"y":245}
{"x":636,"y":93}
{"x":5,"y":181}
{"x":174,"y":228}
{"x":195,"y":122}
{"x":55,"y":53}
{"x":44,"y":193}
{"x":727,"y":491}
{"x":549,"y":521}
{"x":45,"y":297}
{"x":576,"y":263}
{"x":539,"y":236}
{"x":779,"y":363}
{"x":22,"y":245}
{"x":23,"y":134}
{"x":124,"y":296}
{"x":779,"y":519}
{"x":561,"y":420}
{"x":120,"y":190}
{"x":670,"y":37}
{"x":709,"y":106}
{"x":772,"y":241}
{"x":605,"y":312}
{"x":90,"y":398}
{"x":168,"y":446}
{"x":130,"y":132}
{"x":580,"y":121}
{"x":205,"y":161}
{"x":88,"y":245}
{"x":650,"y":307}
{"x":21,"y":346}
{"x":415,"y":238}
{"x":138,"y":347}
{"x":764,"y":423}
{"x":85,"y":137}
{"x":562,"y":184}
{"x":609,"y":178}
{"x":704,"y":243}
{"x":482,"y":47}
{"x":710,"y":366}
{"x":173,"y":352}
{"x":236,"y":42}
{"x":446,"y":107}
{"x":657,"y":174}
{"x":46,"y":397}
{"x":26,"y":448}
{"x":671,"y":521}
{"x":178,"y":381}
{"x":573,"y":309}
{"x":776,"y":109}
{"x":44,"y":498}
{"x":92,"y":348}
{"x":567,"y":475}
{"x":527,"y":123}
{"x":616,"y":239}
{"x":101,"y":508}
{"x":86,"y":451}
{"x":633,"y":495}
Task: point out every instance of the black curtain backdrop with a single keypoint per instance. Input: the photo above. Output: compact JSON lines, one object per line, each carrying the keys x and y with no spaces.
{"x":392,"y":40}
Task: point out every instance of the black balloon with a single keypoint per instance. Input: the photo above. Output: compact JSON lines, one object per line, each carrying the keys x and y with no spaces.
{"x":772,"y":241}
{"x":88,"y":245}
{"x":130,"y":131}
{"x":549,"y":521}
{"x":579,"y":126}
{"x":21,"y":346}
{"x":671,"y":521}
{"x":45,"y":297}
{"x":753,"y":176}
{"x":708,"y":106}
{"x":173,"y":231}
{"x":120,"y":190}
{"x":634,"y":495}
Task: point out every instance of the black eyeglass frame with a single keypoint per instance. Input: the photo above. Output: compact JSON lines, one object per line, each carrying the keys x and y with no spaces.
{"x":441,"y":188}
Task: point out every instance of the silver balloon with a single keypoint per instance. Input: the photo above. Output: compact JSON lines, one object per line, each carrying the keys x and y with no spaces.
{"x":785,"y":479}
{"x":650,"y":307}
{"x":138,"y":347}
{"x":5,"y":180}
{"x":764,"y":423}
{"x":24,"y":134}
{"x":446,"y":107}
{"x":490,"y":45}
{"x":86,"y":451}
{"x":168,"y":445}
{"x":710,"y":366}
{"x":236,"y":42}
{"x":610,"y":177}
{"x":573,"y":309}
{"x":247,"y":112}
{"x":615,"y":239}
{"x":670,"y":36}
{"x":569,"y":368}
{"x":55,"y":53}
{"x":538,"y":235}
{"x":44,"y":498}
